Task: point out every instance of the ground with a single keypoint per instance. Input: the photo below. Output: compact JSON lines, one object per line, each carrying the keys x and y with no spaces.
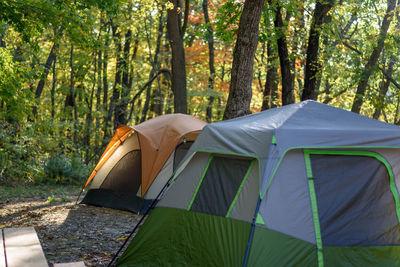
{"x":67,"y":232}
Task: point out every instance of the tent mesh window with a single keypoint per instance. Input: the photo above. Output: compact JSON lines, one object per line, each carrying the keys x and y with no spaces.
{"x":126,"y":175}
{"x":355,"y":203}
{"x":220,"y":185}
{"x":180,"y":152}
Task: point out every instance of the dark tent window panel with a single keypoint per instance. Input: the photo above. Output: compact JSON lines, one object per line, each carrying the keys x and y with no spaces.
{"x":355,"y":204}
{"x":126,"y":175}
{"x":220,"y":185}
{"x":180,"y":153}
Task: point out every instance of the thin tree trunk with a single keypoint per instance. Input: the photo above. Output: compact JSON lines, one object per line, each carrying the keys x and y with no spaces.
{"x":386,"y":82}
{"x":296,"y":43}
{"x":240,"y":90}
{"x":71,"y":95}
{"x":270,"y":95}
{"x":155,"y":64}
{"x":383,"y":91}
{"x":313,"y":67}
{"x":211,"y":77}
{"x":125,"y":90}
{"x":114,"y":108}
{"x":286,"y":75}
{"x":53,"y":89}
{"x":373,"y":59}
{"x":106,"y":109}
{"x":175,"y":34}
{"x":43,"y":78}
{"x":89,"y":115}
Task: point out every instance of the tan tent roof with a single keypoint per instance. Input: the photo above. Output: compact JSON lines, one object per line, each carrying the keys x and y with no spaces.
{"x":158,"y":138}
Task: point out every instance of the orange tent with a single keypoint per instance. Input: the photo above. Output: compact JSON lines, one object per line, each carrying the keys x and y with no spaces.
{"x":137,"y":156}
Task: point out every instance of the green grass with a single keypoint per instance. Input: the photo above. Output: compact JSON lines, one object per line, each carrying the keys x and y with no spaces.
{"x":62,"y":192}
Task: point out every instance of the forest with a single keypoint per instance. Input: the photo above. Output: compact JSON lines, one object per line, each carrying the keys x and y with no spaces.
{"x":71,"y":71}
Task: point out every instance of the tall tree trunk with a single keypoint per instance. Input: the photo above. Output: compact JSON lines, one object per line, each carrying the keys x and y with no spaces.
{"x":175,"y":34}
{"x":155,"y":64}
{"x":89,"y":115}
{"x":71,"y":94}
{"x":286,"y":75}
{"x":383,"y":90}
{"x":385,"y":82}
{"x":297,"y":39}
{"x":240,"y":89}
{"x":373,"y":59}
{"x":270,"y":94}
{"x":47,"y":66}
{"x":53,"y":89}
{"x":313,"y":67}
{"x":211,"y":77}
{"x":125,"y":90}
{"x":106,"y":109}
{"x":114,"y":108}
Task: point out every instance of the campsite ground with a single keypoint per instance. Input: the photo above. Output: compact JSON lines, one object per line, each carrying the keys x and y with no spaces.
{"x":67,"y":232}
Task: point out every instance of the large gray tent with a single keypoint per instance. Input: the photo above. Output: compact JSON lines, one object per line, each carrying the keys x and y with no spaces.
{"x":305,"y":184}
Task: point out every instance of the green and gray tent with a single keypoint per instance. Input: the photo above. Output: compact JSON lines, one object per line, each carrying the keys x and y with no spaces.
{"x":319,"y":183}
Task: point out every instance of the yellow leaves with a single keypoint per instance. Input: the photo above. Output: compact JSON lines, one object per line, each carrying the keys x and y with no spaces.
{"x":169,"y":5}
{"x":121,"y":239}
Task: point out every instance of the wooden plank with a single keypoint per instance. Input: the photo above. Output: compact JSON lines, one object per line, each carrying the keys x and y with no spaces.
{"x":23,"y":248}
{"x":2,"y":255}
{"x":70,"y":264}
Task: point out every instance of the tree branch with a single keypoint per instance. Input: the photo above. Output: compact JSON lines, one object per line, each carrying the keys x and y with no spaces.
{"x":160,"y":71}
{"x":186,"y":17}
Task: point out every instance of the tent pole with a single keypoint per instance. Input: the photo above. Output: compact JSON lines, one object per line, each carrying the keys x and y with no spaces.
{"x":152,"y":205}
{"x":253,"y":224}
{"x":83,"y":187}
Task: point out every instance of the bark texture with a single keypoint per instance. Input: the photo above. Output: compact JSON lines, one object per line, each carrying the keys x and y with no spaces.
{"x":313,"y":67}
{"x":210,"y":40}
{"x":270,"y":94}
{"x":175,"y":34}
{"x":286,"y":75}
{"x":240,"y":90}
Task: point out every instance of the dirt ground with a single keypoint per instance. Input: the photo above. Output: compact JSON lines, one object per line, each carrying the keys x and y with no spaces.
{"x":70,"y":232}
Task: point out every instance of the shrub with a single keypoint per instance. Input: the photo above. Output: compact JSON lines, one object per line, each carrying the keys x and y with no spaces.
{"x":60,"y":169}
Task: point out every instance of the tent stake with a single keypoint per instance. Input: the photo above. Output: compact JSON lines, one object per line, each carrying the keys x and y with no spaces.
{"x":76,"y":202}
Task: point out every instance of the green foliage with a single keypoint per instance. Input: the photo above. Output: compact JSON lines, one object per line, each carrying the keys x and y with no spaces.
{"x":13,"y":75}
{"x":62,"y":170}
{"x":227,"y":21}
{"x":51,"y":199}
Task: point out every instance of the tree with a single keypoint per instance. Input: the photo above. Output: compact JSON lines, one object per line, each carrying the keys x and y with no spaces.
{"x":373,"y":58}
{"x":210,"y":40}
{"x":270,"y":96}
{"x":176,"y":32}
{"x":287,"y":80}
{"x":313,"y":67}
{"x":240,"y":90}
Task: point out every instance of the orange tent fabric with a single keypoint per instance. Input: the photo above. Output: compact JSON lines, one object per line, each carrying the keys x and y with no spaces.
{"x":158,"y":137}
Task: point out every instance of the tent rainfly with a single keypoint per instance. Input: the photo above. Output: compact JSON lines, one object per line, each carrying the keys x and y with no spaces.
{"x":302,"y":185}
{"x":139,"y":161}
